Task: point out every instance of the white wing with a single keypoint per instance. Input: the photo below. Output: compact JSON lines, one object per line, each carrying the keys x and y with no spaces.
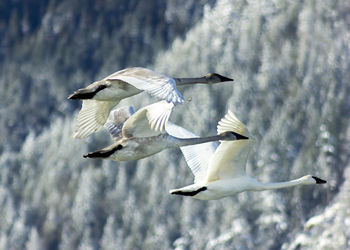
{"x":231,"y":156}
{"x":156,"y":84}
{"x":148,"y":121}
{"x":197,"y":156}
{"x":116,"y":120}
{"x":92,"y":116}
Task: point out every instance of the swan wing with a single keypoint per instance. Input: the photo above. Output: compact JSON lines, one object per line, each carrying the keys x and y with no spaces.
{"x":197,"y":156}
{"x":148,"y":121}
{"x":116,"y":120}
{"x":156,"y":84}
{"x":92,"y":117}
{"x":230,"y":157}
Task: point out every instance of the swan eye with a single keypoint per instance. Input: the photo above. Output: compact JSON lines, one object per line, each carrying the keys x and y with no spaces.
{"x":210,"y":76}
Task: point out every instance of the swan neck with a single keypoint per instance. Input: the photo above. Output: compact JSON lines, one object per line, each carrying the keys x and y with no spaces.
{"x":278,"y":185}
{"x":181,"y":142}
{"x":194,"y":80}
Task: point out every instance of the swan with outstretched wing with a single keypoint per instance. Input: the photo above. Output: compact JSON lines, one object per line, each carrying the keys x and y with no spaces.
{"x":144,"y":133}
{"x":221,"y":171}
{"x":100,"y":97}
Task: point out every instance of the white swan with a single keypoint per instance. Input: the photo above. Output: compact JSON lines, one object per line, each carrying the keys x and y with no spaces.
{"x":142,"y":134}
{"x":220,"y":172}
{"x":100,"y":97}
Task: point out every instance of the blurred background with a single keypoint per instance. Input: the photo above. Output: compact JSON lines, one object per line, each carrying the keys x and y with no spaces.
{"x":290,"y":61}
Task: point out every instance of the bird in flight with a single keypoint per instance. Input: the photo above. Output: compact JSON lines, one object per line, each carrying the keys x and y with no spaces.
{"x":144,"y":133}
{"x":100,"y":97}
{"x":220,"y":171}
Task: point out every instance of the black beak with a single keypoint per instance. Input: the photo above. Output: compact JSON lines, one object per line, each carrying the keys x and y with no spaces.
{"x":73,"y":96}
{"x":82,"y":94}
{"x":99,"y":154}
{"x":318,"y":180}
{"x":230,"y":135}
{"x":86,"y":93}
{"x":224,"y":78}
{"x":104,"y":153}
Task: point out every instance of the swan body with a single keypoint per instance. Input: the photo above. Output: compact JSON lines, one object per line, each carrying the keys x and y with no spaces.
{"x":144,"y":133}
{"x":100,"y":97}
{"x":220,"y":171}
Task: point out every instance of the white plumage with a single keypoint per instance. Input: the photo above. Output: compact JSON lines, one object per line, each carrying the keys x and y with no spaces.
{"x":221,"y":172}
{"x":147,"y":132}
{"x":100,"y":97}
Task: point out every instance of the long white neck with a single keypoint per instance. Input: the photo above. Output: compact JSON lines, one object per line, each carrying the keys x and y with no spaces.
{"x":185,"y":81}
{"x":180,"y":142}
{"x":305,"y":180}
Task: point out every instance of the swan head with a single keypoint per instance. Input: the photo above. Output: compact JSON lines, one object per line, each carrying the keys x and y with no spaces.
{"x":310,"y":179}
{"x":122,"y":150}
{"x":318,"y":180}
{"x":231,"y":136}
{"x":215,"y":78}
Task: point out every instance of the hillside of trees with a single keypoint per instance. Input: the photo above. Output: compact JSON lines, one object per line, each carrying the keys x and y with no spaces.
{"x":290,"y":62}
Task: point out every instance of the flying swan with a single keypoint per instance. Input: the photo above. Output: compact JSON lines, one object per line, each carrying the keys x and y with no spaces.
{"x":220,"y":172}
{"x":101,"y":96}
{"x":141,"y":134}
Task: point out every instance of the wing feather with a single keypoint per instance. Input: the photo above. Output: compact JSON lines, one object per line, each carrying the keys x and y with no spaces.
{"x":156,"y":84}
{"x":198,"y":156}
{"x":231,"y":156}
{"x":116,"y":120}
{"x":92,"y":117}
{"x":148,"y":121}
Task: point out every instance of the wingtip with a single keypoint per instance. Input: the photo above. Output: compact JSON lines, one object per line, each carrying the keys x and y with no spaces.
{"x":73,"y":136}
{"x":231,"y":123}
{"x":77,"y":135}
{"x":178,"y":100}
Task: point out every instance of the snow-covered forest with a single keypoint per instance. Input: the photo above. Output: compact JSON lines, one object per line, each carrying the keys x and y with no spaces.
{"x":291,"y":65}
